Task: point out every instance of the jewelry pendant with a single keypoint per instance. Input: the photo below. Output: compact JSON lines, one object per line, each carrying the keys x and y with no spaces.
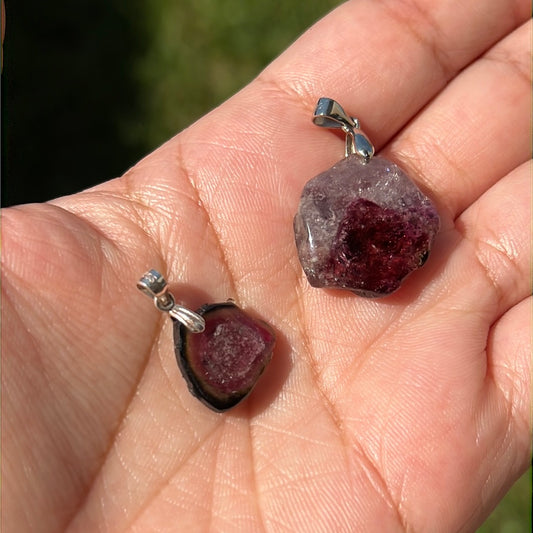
{"x":221,"y":351}
{"x":362,"y":225}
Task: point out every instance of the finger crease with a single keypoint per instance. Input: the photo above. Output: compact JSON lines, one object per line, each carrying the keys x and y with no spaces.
{"x":409,"y":15}
{"x":210,"y":225}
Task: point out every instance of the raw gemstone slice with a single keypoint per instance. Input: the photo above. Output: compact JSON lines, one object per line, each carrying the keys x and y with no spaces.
{"x":222,"y":364}
{"x":363,"y":227}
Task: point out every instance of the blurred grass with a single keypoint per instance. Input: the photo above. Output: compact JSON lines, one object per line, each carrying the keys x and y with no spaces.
{"x":91,"y":86}
{"x":513,"y":514}
{"x":203,"y":51}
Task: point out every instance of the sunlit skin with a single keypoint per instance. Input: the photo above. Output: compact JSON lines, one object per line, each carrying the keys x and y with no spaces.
{"x":409,"y":413}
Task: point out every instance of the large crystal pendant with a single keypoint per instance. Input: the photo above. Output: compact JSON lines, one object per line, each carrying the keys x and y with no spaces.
{"x":363,"y":225}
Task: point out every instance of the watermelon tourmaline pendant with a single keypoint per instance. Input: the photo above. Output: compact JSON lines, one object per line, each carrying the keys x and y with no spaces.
{"x":361,"y":225}
{"x":221,"y":351}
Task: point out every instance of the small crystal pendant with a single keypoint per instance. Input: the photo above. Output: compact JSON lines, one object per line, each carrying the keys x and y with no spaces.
{"x":221,"y":350}
{"x":222,"y":363}
{"x":362,"y":225}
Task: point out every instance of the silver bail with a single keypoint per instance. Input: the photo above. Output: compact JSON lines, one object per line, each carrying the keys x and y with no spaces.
{"x":154,"y":285}
{"x":330,"y":114}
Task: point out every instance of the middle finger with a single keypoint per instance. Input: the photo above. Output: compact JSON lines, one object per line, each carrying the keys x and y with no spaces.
{"x":476,"y":131}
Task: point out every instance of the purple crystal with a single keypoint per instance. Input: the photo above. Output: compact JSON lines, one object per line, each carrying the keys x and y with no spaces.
{"x":363,"y":227}
{"x":222,"y":364}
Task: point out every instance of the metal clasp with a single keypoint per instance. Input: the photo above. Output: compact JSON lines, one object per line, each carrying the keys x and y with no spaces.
{"x":329,"y":114}
{"x":154,"y":285}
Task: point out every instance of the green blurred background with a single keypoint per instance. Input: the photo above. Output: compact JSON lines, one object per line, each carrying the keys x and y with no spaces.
{"x":89,"y":87}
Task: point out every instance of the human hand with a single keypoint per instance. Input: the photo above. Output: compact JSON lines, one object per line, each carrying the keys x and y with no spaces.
{"x":404,"y":413}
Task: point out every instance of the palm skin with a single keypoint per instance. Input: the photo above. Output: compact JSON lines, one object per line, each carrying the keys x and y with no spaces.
{"x":405,"y":413}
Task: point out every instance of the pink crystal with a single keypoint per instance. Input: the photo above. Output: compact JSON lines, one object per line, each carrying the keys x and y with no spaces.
{"x":363,"y":227}
{"x":222,"y":364}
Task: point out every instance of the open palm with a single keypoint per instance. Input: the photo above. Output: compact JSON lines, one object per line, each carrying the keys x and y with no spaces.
{"x":404,"y":413}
